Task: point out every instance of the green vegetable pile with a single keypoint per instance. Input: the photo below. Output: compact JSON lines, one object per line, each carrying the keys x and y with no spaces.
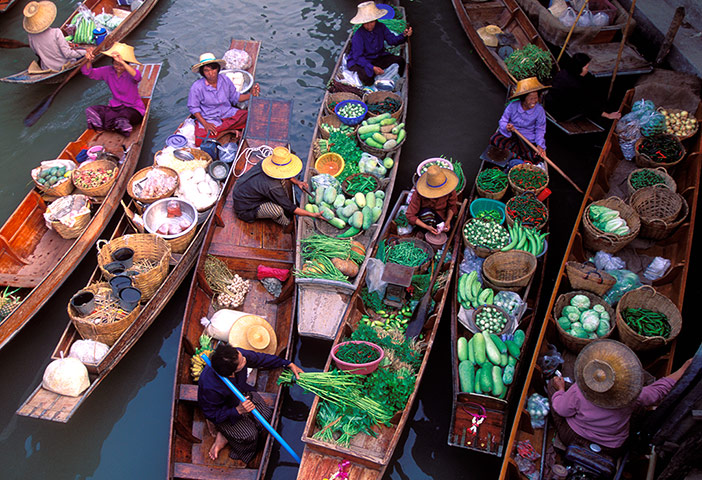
{"x":608,"y":220}
{"x":357,"y":353}
{"x":458,"y":170}
{"x":317,"y":253}
{"x":347,"y":148}
{"x":647,"y":322}
{"x":490,"y":319}
{"x":528,"y":210}
{"x":361,"y":183}
{"x":389,"y":105}
{"x":401,"y":219}
{"x":492,"y":180}
{"x":372,"y":300}
{"x":528,"y":178}
{"x":645,"y":178}
{"x":530,"y":61}
{"x":485,"y":233}
{"x":580,"y":319}
{"x":492,"y":214}
{"x":661,"y":148}
{"x":406,"y":253}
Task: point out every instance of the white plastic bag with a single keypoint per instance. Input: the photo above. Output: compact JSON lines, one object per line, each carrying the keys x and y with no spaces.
{"x":237,"y":59}
{"x":568,"y":17}
{"x":88,"y":351}
{"x":600,"y":19}
{"x":374,"y":274}
{"x":66,"y":376}
{"x":585,"y":19}
{"x":221,"y":322}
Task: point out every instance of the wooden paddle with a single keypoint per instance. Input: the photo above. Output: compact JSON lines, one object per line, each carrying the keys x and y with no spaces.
{"x":621,"y":48}
{"x":10,"y":43}
{"x":548,"y":160}
{"x":419,"y":316}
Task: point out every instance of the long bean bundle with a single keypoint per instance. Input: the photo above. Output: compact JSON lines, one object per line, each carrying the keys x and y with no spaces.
{"x":406,"y":253}
{"x":647,"y":322}
{"x":321,"y":267}
{"x":317,"y":246}
{"x":492,"y":180}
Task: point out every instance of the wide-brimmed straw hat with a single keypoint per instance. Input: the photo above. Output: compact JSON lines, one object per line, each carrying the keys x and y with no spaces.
{"x":489,"y":34}
{"x":436,"y":182}
{"x":253,"y":333}
{"x":125,"y":51}
{"x":368,"y":12}
{"x":38,"y":16}
{"x":281,"y":164}
{"x":609,"y":374}
{"x":206,"y":59}
{"x":527,"y":85}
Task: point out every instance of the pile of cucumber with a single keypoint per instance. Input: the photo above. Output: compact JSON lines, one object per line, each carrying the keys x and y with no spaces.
{"x":84,"y":30}
{"x":471,"y":294}
{"x":527,"y":239}
{"x":52,"y":175}
{"x":359,"y":212}
{"x":382,"y":132}
{"x":487,"y":362}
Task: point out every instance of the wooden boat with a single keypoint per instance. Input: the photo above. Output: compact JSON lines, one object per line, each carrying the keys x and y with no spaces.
{"x":243,"y":247}
{"x":676,"y":248}
{"x":369,"y":456}
{"x":491,"y":435}
{"x":47,"y":405}
{"x":322,"y":303}
{"x":5,"y":5}
{"x":131,"y":20}
{"x":37,"y":260}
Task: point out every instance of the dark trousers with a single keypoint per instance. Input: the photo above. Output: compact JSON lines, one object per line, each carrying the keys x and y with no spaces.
{"x":515,"y":145}
{"x":113,"y":119}
{"x":383,"y":61}
{"x":243,"y":435}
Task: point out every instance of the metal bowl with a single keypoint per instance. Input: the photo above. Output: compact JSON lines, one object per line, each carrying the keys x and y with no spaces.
{"x":156,"y":214}
{"x":248,"y":79}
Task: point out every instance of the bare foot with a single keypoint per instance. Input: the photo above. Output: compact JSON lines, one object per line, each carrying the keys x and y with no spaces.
{"x":217,"y":446}
{"x":211,"y":428}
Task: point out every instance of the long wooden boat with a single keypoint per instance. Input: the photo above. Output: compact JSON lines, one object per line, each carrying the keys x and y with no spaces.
{"x":47,"y":405}
{"x":676,"y":248}
{"x":491,"y":435}
{"x":131,"y":20}
{"x":322,"y":303}
{"x":242,"y":247}
{"x":370,"y":456}
{"x":5,"y":5}
{"x":37,"y":260}
{"x":507,"y":15}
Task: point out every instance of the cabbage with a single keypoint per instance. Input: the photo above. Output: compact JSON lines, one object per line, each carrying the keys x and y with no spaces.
{"x":604,"y":316}
{"x":614,"y":225}
{"x":602,"y":214}
{"x":576,"y":325}
{"x":603,"y":328}
{"x":598,"y":308}
{"x":592,"y":335}
{"x":591,"y":320}
{"x":578,"y":332}
{"x":581,"y":302}
{"x":564,"y":323}
{"x":568,"y":310}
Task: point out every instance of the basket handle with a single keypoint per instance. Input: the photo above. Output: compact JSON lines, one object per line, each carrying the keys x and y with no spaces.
{"x":599,"y":280}
{"x":101,"y":243}
{"x":649,"y":289}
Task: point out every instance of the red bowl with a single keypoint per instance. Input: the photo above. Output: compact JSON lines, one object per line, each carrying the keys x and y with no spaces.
{"x":358,"y":368}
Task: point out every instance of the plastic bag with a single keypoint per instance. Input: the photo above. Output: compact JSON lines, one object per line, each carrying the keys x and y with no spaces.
{"x":66,"y":376}
{"x":371,"y":164}
{"x":512,"y":303}
{"x":568,"y":17}
{"x":652,"y":123}
{"x":237,"y":59}
{"x":374,"y":275}
{"x":388,"y":79}
{"x":585,"y":19}
{"x":657,"y":268}
{"x":626,"y":281}
{"x":642,"y":106}
{"x":600,"y":19}
{"x":471,"y":262}
{"x":188,"y":131}
{"x":607,"y":261}
{"x":221,"y":323}
{"x":550,"y":362}
{"x":227,"y":152}
{"x":324,"y":180}
{"x":538,"y":407}
{"x":88,"y":351}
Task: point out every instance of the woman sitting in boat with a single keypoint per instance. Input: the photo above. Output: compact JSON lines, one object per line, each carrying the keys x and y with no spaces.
{"x":434,"y":203}
{"x":233,"y":422}
{"x":213,"y":98}
{"x":573,"y":94}
{"x":261,"y":192}
{"x":368,"y":57}
{"x":526,"y":115}
{"x":48,"y":43}
{"x":126,"y":108}
{"x":608,"y":389}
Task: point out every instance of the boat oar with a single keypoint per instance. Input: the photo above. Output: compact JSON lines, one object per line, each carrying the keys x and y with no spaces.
{"x":548,"y":160}
{"x":419,"y":316}
{"x":10,"y":43}
{"x":572,"y":27}
{"x":255,"y":412}
{"x":621,"y":48}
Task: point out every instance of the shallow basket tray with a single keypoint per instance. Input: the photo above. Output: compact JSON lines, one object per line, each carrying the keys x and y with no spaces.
{"x":511,"y":270}
{"x":584,"y":276}
{"x":667,"y":179}
{"x":576,"y":344}
{"x":334,"y":121}
{"x":336,"y":98}
{"x":179,"y":165}
{"x":691,"y":114}
{"x":100,"y":190}
{"x":647,"y":297}
{"x":142,"y":173}
{"x":595,"y":239}
{"x":81,"y":221}
{"x":379,"y":97}
{"x":59,"y":189}
{"x":644,"y":161}
{"x":525,"y":166}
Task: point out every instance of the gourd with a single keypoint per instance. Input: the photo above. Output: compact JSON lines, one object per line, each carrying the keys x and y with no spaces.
{"x":466,"y":375}
{"x":462,"y":349}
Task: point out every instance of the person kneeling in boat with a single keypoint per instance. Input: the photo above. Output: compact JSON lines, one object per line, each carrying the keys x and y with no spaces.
{"x":368,"y":57}
{"x":608,"y":389}
{"x":48,"y":43}
{"x":526,"y":115}
{"x":261,"y":192}
{"x":212,"y":100}
{"x":126,"y":107}
{"x":233,"y":422}
{"x":434,"y":201}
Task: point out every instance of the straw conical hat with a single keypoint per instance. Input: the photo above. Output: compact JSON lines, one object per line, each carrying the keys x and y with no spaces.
{"x":38,"y":16}
{"x":609,"y":374}
{"x":436,"y":182}
{"x":368,"y":12}
{"x":206,"y":59}
{"x":125,"y":51}
{"x":252,"y":332}
{"x":281,"y":164}
{"x":527,"y":85}
{"x":489,"y":34}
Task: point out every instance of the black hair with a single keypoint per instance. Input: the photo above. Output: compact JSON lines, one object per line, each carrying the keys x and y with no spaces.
{"x":225,"y":359}
{"x":576,"y":63}
{"x":214,"y":65}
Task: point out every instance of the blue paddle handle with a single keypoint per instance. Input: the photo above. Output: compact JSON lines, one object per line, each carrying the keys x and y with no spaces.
{"x":255,"y":412}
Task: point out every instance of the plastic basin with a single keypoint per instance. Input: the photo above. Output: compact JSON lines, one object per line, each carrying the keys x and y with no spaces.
{"x":358,"y":368}
{"x":350,"y":120}
{"x":483,"y":204}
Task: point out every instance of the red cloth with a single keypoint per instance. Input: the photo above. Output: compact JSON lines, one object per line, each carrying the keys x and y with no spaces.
{"x":441,"y":205}
{"x":268,"y":272}
{"x":237,"y":122}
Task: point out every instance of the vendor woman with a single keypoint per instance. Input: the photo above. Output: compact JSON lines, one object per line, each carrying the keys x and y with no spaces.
{"x":434,"y":202}
{"x":48,"y":43}
{"x":261,"y":192}
{"x":212,"y":100}
{"x":528,"y":117}
{"x":368,"y":57}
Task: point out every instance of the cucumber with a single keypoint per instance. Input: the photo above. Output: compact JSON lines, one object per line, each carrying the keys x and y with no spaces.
{"x":396,"y":129}
{"x":356,"y":220}
{"x":367,"y":217}
{"x":466,"y":375}
{"x":378,"y":137}
{"x":519,"y":337}
{"x":360,"y":200}
{"x":379,"y":118}
{"x":499,"y":343}
{"x":390,"y":144}
{"x":513,"y":348}
{"x":498,"y":387}
{"x":372,"y":143}
{"x":350,"y":210}
{"x":319,"y":195}
{"x":309,"y":208}
{"x":327,"y":213}
{"x":338,"y":223}
{"x":349,"y":233}
{"x":471,"y":351}
{"x":376,"y":212}
{"x":511,"y":361}
{"x":493,"y":354}
{"x":330,"y":195}
{"x":339,"y":201}
{"x":486,"y":377}
{"x":379,"y":194}
{"x":479,"y":348}
{"x":368,"y":129}
{"x":504,"y":359}
{"x":401,"y":135}
{"x":462,"y":349}
{"x":340,"y":213}
{"x":508,"y":374}
{"x":370,"y":199}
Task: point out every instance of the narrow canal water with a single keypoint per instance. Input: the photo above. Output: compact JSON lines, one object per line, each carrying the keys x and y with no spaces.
{"x":122,"y":430}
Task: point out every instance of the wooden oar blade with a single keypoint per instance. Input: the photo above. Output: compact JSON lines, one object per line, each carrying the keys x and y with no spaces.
{"x":419,"y":317}
{"x":38,"y":111}
{"x":11,"y":43}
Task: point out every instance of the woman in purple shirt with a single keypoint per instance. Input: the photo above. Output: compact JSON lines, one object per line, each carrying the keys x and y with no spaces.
{"x":126,"y":108}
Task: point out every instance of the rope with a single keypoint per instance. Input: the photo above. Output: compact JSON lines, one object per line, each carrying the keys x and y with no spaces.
{"x":261,"y":152}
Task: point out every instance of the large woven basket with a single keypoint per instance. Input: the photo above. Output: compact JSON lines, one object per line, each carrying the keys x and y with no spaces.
{"x":657,"y":203}
{"x":667,"y":179}
{"x":334,"y":98}
{"x":379,"y":97}
{"x":576,"y":344}
{"x":146,"y":246}
{"x":180,"y":244}
{"x":59,"y":189}
{"x":81,"y":221}
{"x":334,"y":121}
{"x":537,"y":226}
{"x":658,"y":229}
{"x":428,"y":249}
{"x":142,"y":173}
{"x":492,"y":195}
{"x":480,"y":250}
{"x":647,"y":297}
{"x":202,"y":159}
{"x":378,"y":152}
{"x":525,"y":166}
{"x":511,"y":270}
{"x":105,"y":332}
{"x":100,"y":190}
{"x":595,"y":239}
{"x":691,"y":114}
{"x":584,"y":276}
{"x":644,"y":161}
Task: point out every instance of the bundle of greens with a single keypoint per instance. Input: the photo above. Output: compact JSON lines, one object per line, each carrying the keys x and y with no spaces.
{"x":530,"y":61}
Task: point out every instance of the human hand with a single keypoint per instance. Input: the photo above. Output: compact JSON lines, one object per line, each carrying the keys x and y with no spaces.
{"x":559,"y":383}
{"x":118,"y":57}
{"x":256,"y":90}
{"x":447,"y":226}
{"x":510,"y":127}
{"x":432,"y":229}
{"x":89,"y":54}
{"x":540,"y":151}
{"x":407,"y":32}
{"x":378,"y":70}
{"x":245,"y":407}
{"x":211,"y":128}
{"x":612,"y":115}
{"x":296,"y":370}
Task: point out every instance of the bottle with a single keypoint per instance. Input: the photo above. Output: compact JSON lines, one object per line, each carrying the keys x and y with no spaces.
{"x":173,"y":208}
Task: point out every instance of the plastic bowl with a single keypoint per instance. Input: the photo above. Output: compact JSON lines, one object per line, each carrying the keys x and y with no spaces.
{"x":482,"y":204}
{"x":350,"y":120}
{"x":444,"y":164}
{"x":331,"y":163}
{"x":358,"y":368}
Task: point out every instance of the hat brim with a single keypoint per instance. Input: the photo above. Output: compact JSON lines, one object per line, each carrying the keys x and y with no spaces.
{"x":489,"y":37}
{"x":40,"y":28}
{"x":528,"y":91}
{"x":127,"y":56}
{"x":238,"y":337}
{"x":435,"y":192}
{"x":195,"y":68}
{"x":282,"y":172}
{"x":361,"y":19}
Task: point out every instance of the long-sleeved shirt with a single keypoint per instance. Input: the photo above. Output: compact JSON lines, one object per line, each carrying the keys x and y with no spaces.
{"x":213,"y":104}
{"x":442,"y":205}
{"x":53,"y":49}
{"x":217,"y":402}
{"x":607,"y":427}
{"x":367,"y":46}
{"x":255,"y":188}
{"x":124,"y":88}
{"x":530,"y":123}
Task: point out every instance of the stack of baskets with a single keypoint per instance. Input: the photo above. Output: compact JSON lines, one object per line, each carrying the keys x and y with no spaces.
{"x":576,"y":344}
{"x":595,"y":239}
{"x":660,"y":211}
{"x":140,"y":175}
{"x":647,"y":297}
{"x":103,"y":165}
{"x":511,"y":270}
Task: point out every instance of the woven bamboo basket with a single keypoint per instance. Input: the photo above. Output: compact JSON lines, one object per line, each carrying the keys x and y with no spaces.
{"x":202,"y":159}
{"x":584,"y":276}
{"x":146,"y":246}
{"x":378,"y":152}
{"x":576,"y":344}
{"x":509,"y":326}
{"x":656,"y":203}
{"x":379,"y":97}
{"x":81,"y":221}
{"x":511,"y":270}
{"x":595,"y":239}
{"x":419,"y":243}
{"x":525,"y":166}
{"x":142,"y":173}
{"x":480,"y":250}
{"x":668,"y":180}
{"x":647,"y":297}
{"x":645,"y":161}
{"x":334,"y":121}
{"x":658,"y":229}
{"x":334,"y":98}
{"x":60,"y":189}
{"x":538,"y":226}
{"x":105,"y":332}
{"x":492,"y":195}
{"x":691,"y":114}
{"x":100,"y":190}
{"x":180,"y":244}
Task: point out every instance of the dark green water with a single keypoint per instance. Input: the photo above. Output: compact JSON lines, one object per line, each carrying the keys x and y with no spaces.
{"x":122,"y":429}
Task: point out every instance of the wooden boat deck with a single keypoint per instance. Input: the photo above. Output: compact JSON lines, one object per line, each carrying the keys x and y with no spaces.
{"x":38,"y":260}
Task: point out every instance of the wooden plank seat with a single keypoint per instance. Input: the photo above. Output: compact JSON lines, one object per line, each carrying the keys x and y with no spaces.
{"x":211,"y":472}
